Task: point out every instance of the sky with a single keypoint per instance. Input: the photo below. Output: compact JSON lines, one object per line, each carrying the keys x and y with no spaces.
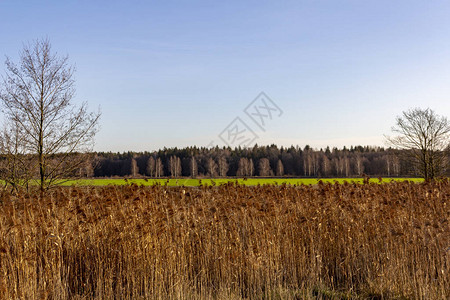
{"x":184,"y":73}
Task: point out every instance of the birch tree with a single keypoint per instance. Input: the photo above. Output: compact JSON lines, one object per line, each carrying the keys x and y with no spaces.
{"x":151,"y":166}
{"x":280,"y":168}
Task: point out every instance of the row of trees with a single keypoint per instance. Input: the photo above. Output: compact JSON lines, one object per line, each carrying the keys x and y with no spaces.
{"x":257,"y":161}
{"x":422,"y":148}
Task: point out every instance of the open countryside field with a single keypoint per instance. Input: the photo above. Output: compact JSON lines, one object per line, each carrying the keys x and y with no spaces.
{"x":328,"y":241}
{"x":225,"y":150}
{"x":219,"y":181}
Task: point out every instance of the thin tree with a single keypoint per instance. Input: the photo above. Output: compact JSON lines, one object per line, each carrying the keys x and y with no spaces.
{"x":264,"y":167}
{"x":193,"y":167}
{"x":159,"y":168}
{"x":151,"y":166}
{"x":251,"y":167}
{"x":134,"y":168}
{"x":280,"y":168}
{"x":37,"y":96}
{"x":243,"y":167}
{"x":326,"y":165}
{"x":424,"y":136}
{"x":223,"y":166}
{"x":175,"y":166}
{"x":212,"y":168}
{"x":359,"y":163}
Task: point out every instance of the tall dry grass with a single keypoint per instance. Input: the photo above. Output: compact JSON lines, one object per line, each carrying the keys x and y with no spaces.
{"x":227,"y":242}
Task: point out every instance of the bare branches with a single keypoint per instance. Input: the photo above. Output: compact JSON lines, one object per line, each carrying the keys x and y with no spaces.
{"x":37,"y":97}
{"x":425,"y":135}
{"x":15,"y":165}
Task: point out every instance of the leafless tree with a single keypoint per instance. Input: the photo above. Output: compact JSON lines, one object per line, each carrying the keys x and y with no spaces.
{"x":264,"y":167}
{"x":159,"y":168}
{"x":245,"y":167}
{"x":134,"y":168}
{"x":396,"y":165}
{"x":251,"y":168}
{"x":87,"y":168}
{"x":37,"y":96}
{"x":175,"y":166}
{"x":359,"y":164}
{"x":326,"y":165}
{"x":346,"y":162}
{"x":151,"y":166}
{"x":223,"y":166}
{"x":425,"y":136}
{"x":280,"y":168}
{"x":315,"y":162}
{"x":388,"y":159}
{"x":242,"y":167}
{"x":193,"y":167}
{"x":212,"y":167}
{"x":392,"y":164}
{"x":339,"y":163}
{"x":15,"y":163}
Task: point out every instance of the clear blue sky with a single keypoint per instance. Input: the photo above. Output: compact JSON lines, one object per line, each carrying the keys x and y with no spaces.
{"x":176,"y":73}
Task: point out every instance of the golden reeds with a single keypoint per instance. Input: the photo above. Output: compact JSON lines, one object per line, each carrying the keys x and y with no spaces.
{"x":227,"y":242}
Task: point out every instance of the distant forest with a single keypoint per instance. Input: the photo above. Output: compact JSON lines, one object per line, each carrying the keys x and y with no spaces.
{"x":262,"y":161}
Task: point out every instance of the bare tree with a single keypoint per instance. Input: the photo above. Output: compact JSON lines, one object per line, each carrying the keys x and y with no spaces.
{"x":340,"y":165}
{"x":243,"y":167}
{"x":151,"y":166}
{"x":359,"y":164}
{"x":134,"y":168}
{"x":392,"y":164}
{"x":250,"y":167}
{"x":264,"y":167}
{"x":193,"y":167}
{"x":326,"y":165}
{"x":87,"y":169}
{"x":280,"y":168}
{"x":223,"y":166}
{"x":37,"y":96}
{"x":346,"y":162}
{"x":396,"y":165}
{"x":15,"y":164}
{"x":175,"y":166}
{"x":388,"y":159}
{"x":212,"y":167}
{"x":315,"y":162}
{"x":159,"y":168}
{"x":310,"y":162}
{"x":424,"y":136}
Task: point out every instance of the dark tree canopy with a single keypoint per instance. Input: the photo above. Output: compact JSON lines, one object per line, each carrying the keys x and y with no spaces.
{"x":280,"y":161}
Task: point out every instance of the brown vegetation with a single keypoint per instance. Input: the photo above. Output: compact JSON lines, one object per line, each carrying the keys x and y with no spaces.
{"x":227,"y":242}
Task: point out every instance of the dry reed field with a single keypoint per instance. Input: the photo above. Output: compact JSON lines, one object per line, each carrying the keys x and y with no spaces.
{"x":342,"y":241}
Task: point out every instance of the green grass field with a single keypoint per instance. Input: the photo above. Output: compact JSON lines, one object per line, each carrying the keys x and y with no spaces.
{"x":249,"y":181}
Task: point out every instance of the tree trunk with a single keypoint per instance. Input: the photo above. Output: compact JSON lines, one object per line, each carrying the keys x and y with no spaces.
{"x":41,"y":144}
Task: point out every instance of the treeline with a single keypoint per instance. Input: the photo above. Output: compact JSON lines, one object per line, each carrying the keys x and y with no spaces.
{"x":257,"y":161}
